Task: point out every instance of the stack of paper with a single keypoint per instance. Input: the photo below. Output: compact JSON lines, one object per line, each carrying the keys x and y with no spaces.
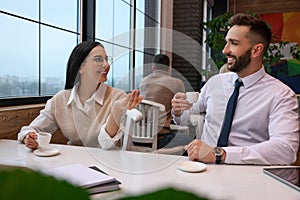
{"x":91,"y":178}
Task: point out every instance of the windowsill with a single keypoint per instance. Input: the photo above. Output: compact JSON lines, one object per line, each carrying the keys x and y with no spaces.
{"x":21,"y":107}
{"x":14,"y":101}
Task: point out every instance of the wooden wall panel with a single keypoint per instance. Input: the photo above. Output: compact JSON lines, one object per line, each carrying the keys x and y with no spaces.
{"x":263,"y":6}
{"x":12,"y":118}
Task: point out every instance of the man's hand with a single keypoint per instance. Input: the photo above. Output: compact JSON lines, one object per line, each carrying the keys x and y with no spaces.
{"x":180,"y":104}
{"x":199,"y":151}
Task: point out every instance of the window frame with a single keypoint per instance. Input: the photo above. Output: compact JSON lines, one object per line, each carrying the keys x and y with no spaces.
{"x":86,"y":31}
{"x":85,"y":27}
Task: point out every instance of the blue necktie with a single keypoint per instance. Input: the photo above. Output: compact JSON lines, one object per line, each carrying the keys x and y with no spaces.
{"x":230,"y":109}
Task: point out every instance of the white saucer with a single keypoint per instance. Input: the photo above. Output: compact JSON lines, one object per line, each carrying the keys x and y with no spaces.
{"x":191,"y":166}
{"x":46,"y":152}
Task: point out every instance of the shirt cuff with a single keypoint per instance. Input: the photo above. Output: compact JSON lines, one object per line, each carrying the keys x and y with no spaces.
{"x":233,"y":155}
{"x":183,"y":119}
{"x":24,"y":131}
{"x":107,"y":142}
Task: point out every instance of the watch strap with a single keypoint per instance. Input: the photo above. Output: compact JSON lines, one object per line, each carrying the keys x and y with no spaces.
{"x":218,"y":151}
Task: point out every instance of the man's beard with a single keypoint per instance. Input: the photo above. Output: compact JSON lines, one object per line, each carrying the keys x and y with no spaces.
{"x":241,"y":62}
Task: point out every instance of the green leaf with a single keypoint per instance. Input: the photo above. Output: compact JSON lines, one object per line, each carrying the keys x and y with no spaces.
{"x":168,"y":193}
{"x":22,"y":184}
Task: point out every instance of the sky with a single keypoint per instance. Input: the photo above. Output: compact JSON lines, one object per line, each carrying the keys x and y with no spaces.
{"x":20,"y":41}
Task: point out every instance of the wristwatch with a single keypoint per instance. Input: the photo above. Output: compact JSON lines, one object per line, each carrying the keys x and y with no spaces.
{"x":218,"y":151}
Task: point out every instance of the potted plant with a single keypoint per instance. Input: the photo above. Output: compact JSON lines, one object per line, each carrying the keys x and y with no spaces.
{"x":217,"y":29}
{"x":274,"y":63}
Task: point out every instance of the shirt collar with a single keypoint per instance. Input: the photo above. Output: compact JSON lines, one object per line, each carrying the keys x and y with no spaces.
{"x":98,"y":95}
{"x":250,"y":80}
{"x":72,"y":95}
{"x":160,"y":71}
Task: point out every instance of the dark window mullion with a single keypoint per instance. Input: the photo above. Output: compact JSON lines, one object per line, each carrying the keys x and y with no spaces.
{"x":39,"y":57}
{"x":13,"y":101}
{"x":133,"y":37}
{"x":88,"y":20}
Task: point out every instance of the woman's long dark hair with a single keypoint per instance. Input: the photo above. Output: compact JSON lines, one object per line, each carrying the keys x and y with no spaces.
{"x":78,"y":55}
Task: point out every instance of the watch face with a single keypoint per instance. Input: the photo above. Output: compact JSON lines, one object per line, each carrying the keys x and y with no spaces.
{"x":218,"y":151}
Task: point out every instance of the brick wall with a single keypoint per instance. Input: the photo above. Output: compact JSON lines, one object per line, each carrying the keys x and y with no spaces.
{"x":186,"y":57}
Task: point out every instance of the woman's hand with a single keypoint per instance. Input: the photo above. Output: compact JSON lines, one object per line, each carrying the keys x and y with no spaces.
{"x":134,"y":99}
{"x":30,"y":140}
{"x":118,"y":108}
{"x":131,"y":101}
{"x":180,"y":104}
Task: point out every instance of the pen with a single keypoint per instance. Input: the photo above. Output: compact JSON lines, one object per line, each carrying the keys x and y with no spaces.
{"x":185,"y":153}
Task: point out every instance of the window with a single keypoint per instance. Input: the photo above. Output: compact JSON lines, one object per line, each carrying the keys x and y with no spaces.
{"x":35,"y":45}
{"x":113,"y":31}
{"x":40,"y":35}
{"x":206,"y":51}
{"x":147,"y":41}
{"x":114,"y":22}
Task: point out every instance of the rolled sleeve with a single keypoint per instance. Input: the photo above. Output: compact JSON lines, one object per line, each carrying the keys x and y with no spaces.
{"x":106,"y":142}
{"x":43,"y":122}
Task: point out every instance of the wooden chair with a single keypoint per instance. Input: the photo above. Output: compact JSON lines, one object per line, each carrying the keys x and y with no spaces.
{"x":182,"y":129}
{"x":143,"y":129}
{"x":142,"y":126}
{"x":132,"y":117}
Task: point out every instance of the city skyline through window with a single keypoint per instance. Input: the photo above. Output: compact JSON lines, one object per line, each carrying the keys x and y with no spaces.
{"x":36,"y":43}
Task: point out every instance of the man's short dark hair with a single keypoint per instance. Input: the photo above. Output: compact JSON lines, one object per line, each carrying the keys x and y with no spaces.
{"x":161,"y":61}
{"x":257,"y":26}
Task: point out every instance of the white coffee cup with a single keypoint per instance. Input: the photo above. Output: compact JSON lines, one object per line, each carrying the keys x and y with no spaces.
{"x":192,"y":97}
{"x":43,"y":139}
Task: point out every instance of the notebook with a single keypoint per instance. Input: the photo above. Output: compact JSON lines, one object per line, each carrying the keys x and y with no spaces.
{"x":111,"y":186}
{"x":90,"y":178}
{"x":287,"y":175}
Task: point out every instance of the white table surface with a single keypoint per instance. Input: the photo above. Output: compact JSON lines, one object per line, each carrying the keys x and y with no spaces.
{"x":145,"y":172}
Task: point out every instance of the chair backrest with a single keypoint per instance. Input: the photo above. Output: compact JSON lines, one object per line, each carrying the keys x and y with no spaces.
{"x":132,"y":117}
{"x":143,"y":130}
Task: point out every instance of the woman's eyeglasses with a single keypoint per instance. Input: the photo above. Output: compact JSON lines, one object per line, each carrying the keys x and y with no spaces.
{"x":100,"y":60}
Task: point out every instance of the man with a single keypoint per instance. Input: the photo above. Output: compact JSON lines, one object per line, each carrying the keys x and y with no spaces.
{"x":160,"y":87}
{"x":265,"y":127}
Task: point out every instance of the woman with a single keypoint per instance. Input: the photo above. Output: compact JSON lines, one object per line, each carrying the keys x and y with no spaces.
{"x":87,"y":111}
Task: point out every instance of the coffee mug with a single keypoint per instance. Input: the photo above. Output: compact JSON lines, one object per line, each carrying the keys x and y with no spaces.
{"x":192,"y":97}
{"x":43,"y":139}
